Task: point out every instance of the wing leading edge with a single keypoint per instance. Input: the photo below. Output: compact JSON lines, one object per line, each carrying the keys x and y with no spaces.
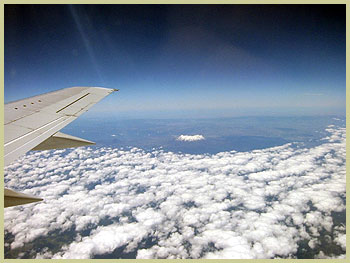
{"x":34,"y":124}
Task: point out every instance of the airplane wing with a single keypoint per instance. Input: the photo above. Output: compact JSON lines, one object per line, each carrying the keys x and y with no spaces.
{"x":34,"y":124}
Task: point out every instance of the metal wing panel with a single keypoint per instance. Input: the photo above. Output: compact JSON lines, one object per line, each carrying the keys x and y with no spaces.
{"x":49,"y":102}
{"x":28,"y":141}
{"x":12,"y":132}
{"x":13,"y":112}
{"x":81,"y":105}
{"x":36,"y":120}
{"x":31,"y":121}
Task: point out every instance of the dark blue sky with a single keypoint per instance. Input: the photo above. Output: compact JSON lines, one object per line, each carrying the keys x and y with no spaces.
{"x":182,"y":60}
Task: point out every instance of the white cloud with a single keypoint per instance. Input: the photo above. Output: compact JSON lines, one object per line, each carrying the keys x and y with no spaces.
{"x":256,"y":204}
{"x":340,"y":238}
{"x":190,"y":138}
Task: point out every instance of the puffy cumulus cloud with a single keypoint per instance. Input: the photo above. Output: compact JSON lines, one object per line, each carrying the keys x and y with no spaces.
{"x":340,"y":236}
{"x":104,"y":240}
{"x":105,"y":201}
{"x":190,"y":138}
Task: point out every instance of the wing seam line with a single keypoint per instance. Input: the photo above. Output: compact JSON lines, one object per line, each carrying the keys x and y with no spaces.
{"x":72,"y":102}
{"x":35,"y":130}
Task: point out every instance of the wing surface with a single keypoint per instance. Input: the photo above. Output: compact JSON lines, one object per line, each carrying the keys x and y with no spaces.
{"x":30,"y":122}
{"x":34,"y":124}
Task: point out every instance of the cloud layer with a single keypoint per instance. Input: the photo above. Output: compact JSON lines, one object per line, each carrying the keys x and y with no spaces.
{"x":105,"y":201}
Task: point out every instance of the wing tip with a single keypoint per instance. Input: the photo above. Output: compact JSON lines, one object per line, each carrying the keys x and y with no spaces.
{"x":104,"y":88}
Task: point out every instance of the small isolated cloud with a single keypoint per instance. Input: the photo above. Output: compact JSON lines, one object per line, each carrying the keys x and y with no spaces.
{"x":190,"y":138}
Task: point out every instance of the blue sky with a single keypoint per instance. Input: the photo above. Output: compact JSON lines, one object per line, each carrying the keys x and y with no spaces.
{"x":175,"y":61}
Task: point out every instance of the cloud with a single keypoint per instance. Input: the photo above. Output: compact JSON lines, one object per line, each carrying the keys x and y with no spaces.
{"x":109,"y":201}
{"x":190,"y":138}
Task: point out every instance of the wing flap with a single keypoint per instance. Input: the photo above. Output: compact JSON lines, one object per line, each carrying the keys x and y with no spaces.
{"x":12,"y":198}
{"x":61,"y":141}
